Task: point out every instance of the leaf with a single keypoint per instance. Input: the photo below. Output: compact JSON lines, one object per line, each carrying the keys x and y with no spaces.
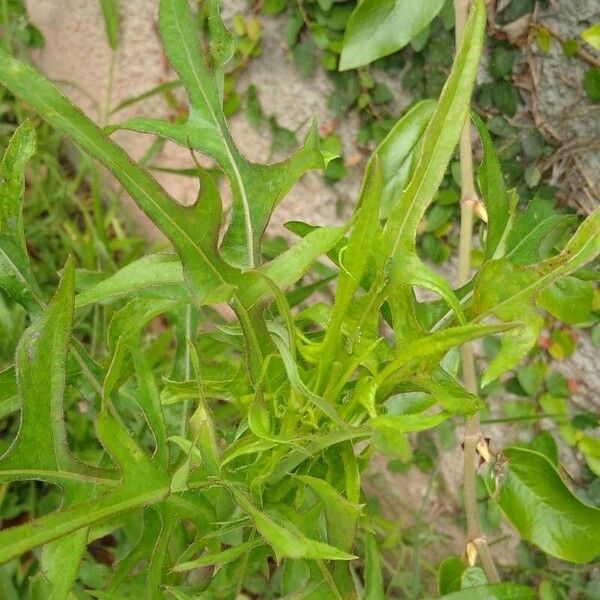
{"x":341,"y":515}
{"x":507,"y":291}
{"x":110,"y":10}
{"x":541,"y":507}
{"x":202,"y":423}
{"x":297,"y":384}
{"x":589,"y":446}
{"x":380,"y":27}
{"x":569,"y":300}
{"x":61,"y":560}
{"x":499,"y":591}
{"x":317,"y":444}
{"x":491,"y":185}
{"x":141,"y":549}
{"x":397,"y":153}
{"x":16,"y":276}
{"x":374,"y":587}
{"x":124,"y":331}
{"x":142,"y":486}
{"x":535,"y":231}
{"x":450,"y":574}
{"x":448,"y":392}
{"x":148,"y":398}
{"x":288,"y":267}
{"x":185,"y":227}
{"x":40,"y":450}
{"x":222,"y":44}
{"x":160,"y":552}
{"x":440,"y":139}
{"x":286,"y":542}
{"x":353,"y":260}
{"x":408,"y":423}
{"x":591,"y":84}
{"x":218,"y":558}
{"x":592,"y":36}
{"x":257,"y":189}
{"x":159,"y":274}
{"x":430,"y":345}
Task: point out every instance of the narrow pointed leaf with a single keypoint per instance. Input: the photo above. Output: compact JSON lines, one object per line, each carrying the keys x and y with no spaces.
{"x":437,"y":343}
{"x":341,"y":515}
{"x":161,"y":274}
{"x":449,"y":393}
{"x":374,"y":586}
{"x":491,"y":185}
{"x":440,"y":139}
{"x":218,"y":558}
{"x":354,"y":260}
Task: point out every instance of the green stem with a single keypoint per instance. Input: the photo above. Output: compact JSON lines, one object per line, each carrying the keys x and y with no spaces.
{"x":187,"y":369}
{"x":472,"y":429}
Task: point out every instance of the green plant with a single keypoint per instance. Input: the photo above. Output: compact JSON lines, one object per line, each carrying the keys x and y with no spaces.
{"x":245,"y":457}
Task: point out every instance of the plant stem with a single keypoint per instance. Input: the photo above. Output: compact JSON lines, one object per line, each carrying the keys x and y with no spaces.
{"x":472,"y":429}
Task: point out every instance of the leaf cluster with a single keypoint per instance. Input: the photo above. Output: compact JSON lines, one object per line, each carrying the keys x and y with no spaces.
{"x":240,"y":469}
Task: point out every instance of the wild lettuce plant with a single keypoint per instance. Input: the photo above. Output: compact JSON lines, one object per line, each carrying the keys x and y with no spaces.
{"x":247,"y":457}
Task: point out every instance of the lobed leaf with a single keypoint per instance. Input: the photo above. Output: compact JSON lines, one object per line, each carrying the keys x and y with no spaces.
{"x":257,"y":189}
{"x":40,"y":449}
{"x":185,"y":227}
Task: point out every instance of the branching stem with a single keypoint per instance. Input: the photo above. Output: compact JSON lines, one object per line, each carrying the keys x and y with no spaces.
{"x":469,"y":199}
